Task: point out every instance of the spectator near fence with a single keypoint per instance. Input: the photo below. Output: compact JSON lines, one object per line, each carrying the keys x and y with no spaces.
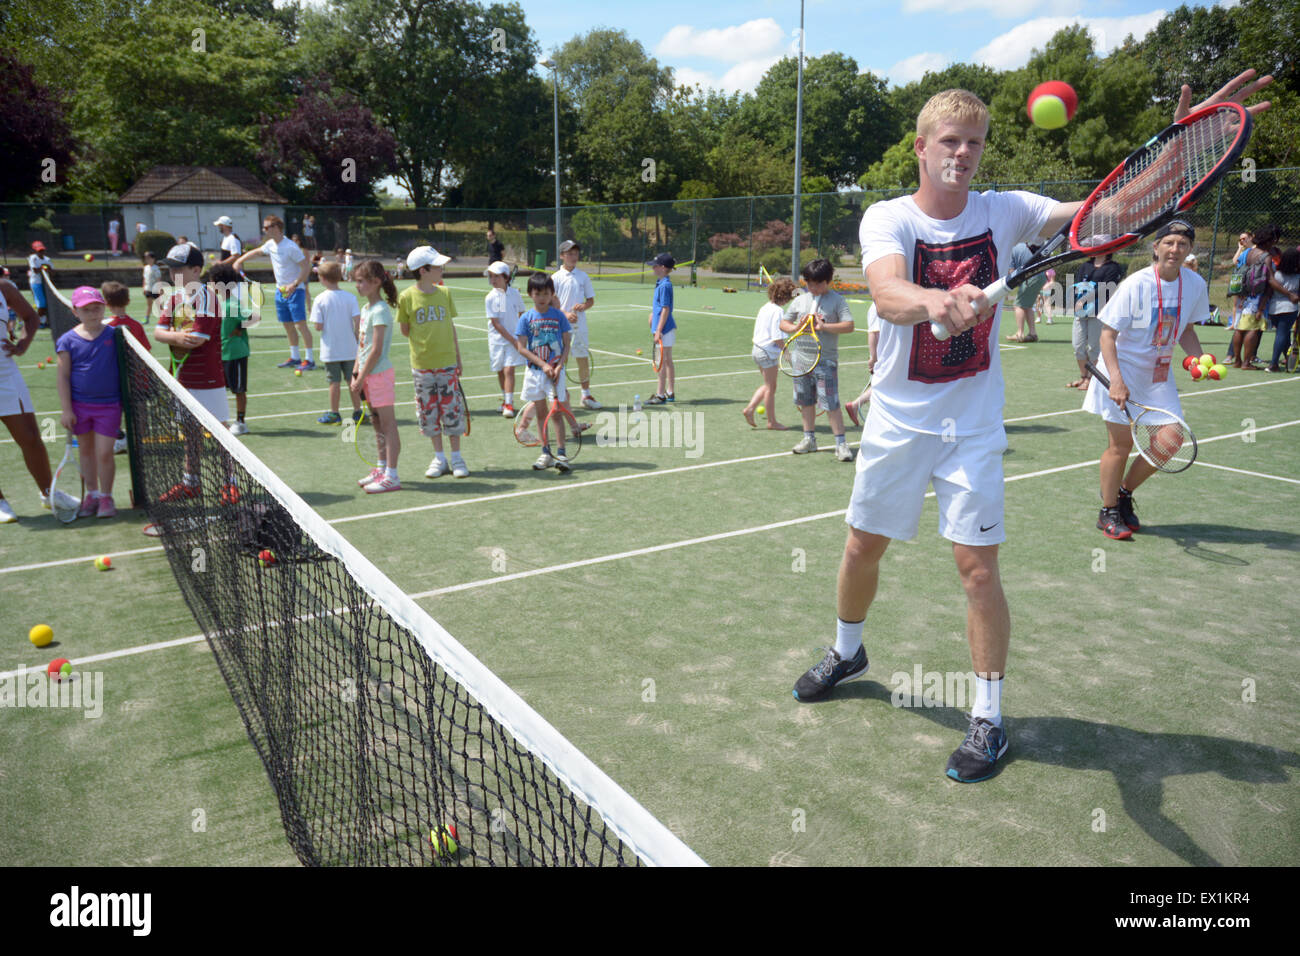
{"x":1285,"y":284}
{"x":1095,"y":282}
{"x":1254,"y":307}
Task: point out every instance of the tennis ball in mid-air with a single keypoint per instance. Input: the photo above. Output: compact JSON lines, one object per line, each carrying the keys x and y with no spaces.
{"x":1198,"y":372}
{"x":1052,"y":104}
{"x":1208,"y":359}
{"x":41,"y":635}
{"x":761,"y":410}
{"x":103,"y":563}
{"x":1219,"y":370}
{"x":444,"y":840}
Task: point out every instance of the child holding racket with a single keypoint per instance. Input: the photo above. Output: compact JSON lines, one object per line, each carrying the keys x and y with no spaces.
{"x":768,"y":338}
{"x":425,"y":312}
{"x":1150,"y":311}
{"x":662,"y":327}
{"x":832,"y":319}
{"x":503,"y":305}
{"x":373,"y":377}
{"x":936,"y":403}
{"x":90,"y":394}
{"x":543,"y":336}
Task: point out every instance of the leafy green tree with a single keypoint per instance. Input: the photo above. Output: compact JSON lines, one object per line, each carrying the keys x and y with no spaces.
{"x":896,"y":169}
{"x":32,"y":127}
{"x":846,"y":115}
{"x":905,"y":102}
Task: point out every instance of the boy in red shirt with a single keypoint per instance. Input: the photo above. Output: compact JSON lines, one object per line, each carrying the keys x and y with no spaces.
{"x":118,"y":297}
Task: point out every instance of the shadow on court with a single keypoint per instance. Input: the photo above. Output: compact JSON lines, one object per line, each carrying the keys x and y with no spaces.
{"x":1139,"y":761}
{"x":1192,"y":538}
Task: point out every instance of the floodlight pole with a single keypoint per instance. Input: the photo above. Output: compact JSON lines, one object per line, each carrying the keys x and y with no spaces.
{"x":555,"y":87}
{"x":798,"y":153}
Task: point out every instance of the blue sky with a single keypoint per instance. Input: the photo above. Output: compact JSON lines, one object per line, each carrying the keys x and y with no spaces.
{"x":729,"y":44}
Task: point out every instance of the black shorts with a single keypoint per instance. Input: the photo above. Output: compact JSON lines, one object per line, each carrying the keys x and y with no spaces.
{"x":237,"y":375}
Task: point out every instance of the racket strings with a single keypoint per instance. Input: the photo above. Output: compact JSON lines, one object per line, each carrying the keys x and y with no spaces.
{"x":1156,"y":179}
{"x":1168,"y":445}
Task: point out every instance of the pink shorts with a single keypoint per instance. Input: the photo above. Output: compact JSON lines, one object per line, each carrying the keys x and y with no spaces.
{"x":381,"y":389}
{"x":101,"y":419}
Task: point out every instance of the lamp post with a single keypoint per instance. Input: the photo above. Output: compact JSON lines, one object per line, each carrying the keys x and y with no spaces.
{"x":555,"y":86}
{"x":798,"y":154}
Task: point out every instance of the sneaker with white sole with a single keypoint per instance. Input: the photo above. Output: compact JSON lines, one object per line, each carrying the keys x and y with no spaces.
{"x":805,"y":446}
{"x":459,"y":469}
{"x":544,"y":461}
{"x":591,"y":403}
{"x":437,"y":468}
{"x":842,"y":452}
{"x":375,"y":475}
{"x":507,"y":410}
{"x":106,"y":507}
{"x":7,"y":515}
{"x":239,"y":428}
{"x":381,"y":484}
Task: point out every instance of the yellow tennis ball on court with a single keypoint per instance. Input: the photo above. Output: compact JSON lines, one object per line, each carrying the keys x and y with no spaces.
{"x":298,"y":372}
{"x":41,"y":635}
{"x":761,"y":410}
{"x":103,"y":563}
{"x":1218,"y":370}
{"x":638,"y":351}
{"x":40,"y":365}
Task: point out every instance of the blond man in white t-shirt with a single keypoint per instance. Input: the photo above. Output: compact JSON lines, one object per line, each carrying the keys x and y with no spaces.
{"x":936,"y":406}
{"x":292,"y":269}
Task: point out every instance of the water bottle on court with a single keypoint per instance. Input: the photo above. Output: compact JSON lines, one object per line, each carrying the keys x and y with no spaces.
{"x":636,"y":403}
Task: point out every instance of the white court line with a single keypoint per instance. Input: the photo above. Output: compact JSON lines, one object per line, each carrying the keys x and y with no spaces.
{"x":603,"y":559}
{"x":1253,"y":474}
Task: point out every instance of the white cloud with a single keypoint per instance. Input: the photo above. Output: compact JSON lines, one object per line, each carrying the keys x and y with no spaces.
{"x":1012,"y":49}
{"x":751,"y":40}
{"x":915,"y":67}
{"x":1003,"y":9}
{"x":741,"y":78}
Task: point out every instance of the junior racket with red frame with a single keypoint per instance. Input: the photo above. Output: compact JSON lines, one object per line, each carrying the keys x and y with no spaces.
{"x":561,"y":433}
{"x":1155,"y":183}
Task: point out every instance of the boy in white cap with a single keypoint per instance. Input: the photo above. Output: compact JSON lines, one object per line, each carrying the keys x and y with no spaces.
{"x":292,"y":270}
{"x":503,"y":305}
{"x":574,"y":294}
{"x":425,"y":313}
{"x":232,"y":247}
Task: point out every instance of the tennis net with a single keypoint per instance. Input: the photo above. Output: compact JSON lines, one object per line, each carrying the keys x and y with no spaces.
{"x":376,"y":727}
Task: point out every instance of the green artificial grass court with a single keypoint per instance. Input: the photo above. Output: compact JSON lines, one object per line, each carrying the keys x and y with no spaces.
{"x":658,"y":604}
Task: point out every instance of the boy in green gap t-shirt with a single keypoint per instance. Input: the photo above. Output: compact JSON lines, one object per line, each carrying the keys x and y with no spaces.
{"x":234,"y":340}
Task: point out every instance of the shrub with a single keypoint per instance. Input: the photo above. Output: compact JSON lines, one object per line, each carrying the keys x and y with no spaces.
{"x":155,"y":241}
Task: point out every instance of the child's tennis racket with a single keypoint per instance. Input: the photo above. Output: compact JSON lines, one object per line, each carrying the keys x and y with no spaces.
{"x":67,"y":489}
{"x":1161,"y":437}
{"x":561,"y":434}
{"x":1157,"y":181}
{"x":573,"y":373}
{"x":528,"y":426}
{"x":803,"y":350}
{"x":352,"y":433}
{"x":657,"y":354}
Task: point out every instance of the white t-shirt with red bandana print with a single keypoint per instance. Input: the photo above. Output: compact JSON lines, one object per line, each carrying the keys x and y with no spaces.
{"x":952,"y":387}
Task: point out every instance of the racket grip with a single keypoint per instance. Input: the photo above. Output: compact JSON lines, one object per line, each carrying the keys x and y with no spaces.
{"x":994,"y":293}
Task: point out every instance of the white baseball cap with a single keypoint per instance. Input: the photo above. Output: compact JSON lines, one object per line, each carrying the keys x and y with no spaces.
{"x":499,"y":267}
{"x":224,"y":221}
{"x":422,"y":256}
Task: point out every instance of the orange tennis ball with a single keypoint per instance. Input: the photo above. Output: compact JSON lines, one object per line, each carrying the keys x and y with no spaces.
{"x":1052,"y":104}
{"x":1198,"y":372}
{"x":1188,"y":361}
{"x":56,"y":668}
{"x":1212,"y":372}
{"x":1219,"y":370}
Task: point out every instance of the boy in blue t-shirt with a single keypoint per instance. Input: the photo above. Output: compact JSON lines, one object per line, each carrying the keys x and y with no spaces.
{"x":542,"y":336}
{"x":662,"y":326}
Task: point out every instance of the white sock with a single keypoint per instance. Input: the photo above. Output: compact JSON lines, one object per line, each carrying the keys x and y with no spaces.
{"x":586,"y":393}
{"x":988,"y":700}
{"x":440,"y":456}
{"x":848,"y":638}
{"x":293,"y":353}
{"x":505,"y":397}
{"x":841,"y":439}
{"x":382,"y":465}
{"x":391,"y":473}
{"x":455,"y":456}
{"x":308,"y":354}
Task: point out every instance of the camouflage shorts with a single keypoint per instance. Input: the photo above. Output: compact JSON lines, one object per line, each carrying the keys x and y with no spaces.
{"x":438,"y":402}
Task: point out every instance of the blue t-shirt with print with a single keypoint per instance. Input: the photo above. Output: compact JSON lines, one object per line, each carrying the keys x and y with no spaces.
{"x":543,"y":333}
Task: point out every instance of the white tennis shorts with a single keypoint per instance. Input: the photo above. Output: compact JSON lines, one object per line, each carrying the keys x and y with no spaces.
{"x":670,"y":338}
{"x":501,"y":353}
{"x":894,"y":467}
{"x":14,"y":397}
{"x":578,"y":346}
{"x":538,"y":387}
{"x":214,"y":400}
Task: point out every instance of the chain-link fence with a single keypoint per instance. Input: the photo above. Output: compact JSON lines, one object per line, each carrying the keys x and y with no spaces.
{"x":730,"y":238}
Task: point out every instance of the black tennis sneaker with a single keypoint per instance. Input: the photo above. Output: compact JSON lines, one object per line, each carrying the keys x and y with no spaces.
{"x":1112,"y":524}
{"x":1126,"y":511}
{"x":977,"y":757}
{"x":819,"y":681}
